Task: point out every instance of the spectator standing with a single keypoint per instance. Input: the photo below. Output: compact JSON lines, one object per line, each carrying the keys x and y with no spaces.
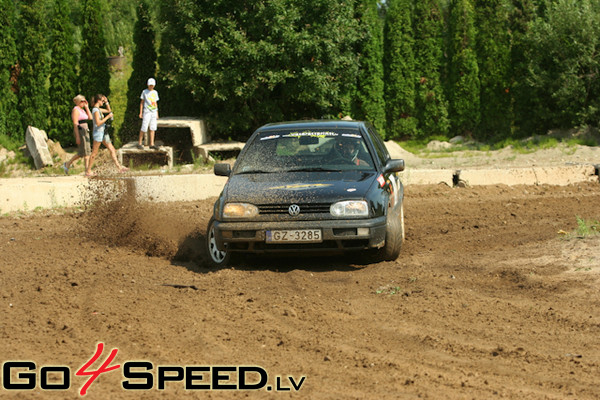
{"x":80,"y":114}
{"x":148,"y":113}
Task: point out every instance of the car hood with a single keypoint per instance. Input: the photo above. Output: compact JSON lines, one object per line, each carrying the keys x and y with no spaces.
{"x":298,"y":187}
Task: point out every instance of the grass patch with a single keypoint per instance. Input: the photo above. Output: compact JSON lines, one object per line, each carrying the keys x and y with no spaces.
{"x":587,"y":228}
{"x":9,"y":143}
{"x":389,"y":290}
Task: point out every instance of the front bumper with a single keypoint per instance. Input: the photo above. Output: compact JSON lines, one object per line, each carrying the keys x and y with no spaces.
{"x":338,"y":235}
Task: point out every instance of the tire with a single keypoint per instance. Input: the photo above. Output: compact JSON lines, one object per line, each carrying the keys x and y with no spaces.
{"x":394,"y":236}
{"x":216,"y":258}
{"x":402,"y":222}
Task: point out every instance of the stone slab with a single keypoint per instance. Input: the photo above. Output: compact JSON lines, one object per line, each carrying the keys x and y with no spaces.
{"x":37,"y":146}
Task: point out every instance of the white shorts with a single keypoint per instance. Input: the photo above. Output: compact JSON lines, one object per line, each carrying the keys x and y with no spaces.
{"x":149,"y":121}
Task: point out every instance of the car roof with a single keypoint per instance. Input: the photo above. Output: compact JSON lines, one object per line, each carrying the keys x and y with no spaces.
{"x":312,"y":124}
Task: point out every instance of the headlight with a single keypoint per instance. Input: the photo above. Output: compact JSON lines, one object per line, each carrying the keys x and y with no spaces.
{"x":350,"y":208}
{"x":240,"y":210}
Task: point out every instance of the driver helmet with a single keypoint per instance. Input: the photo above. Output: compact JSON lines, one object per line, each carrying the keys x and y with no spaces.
{"x":347,"y":147}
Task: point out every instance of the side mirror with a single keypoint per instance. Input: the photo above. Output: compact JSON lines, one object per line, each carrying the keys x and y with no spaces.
{"x":222,"y":169}
{"x":394,"y":166}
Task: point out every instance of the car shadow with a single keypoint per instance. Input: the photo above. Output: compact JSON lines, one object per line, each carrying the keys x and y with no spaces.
{"x":192,"y":255}
{"x":312,"y":263}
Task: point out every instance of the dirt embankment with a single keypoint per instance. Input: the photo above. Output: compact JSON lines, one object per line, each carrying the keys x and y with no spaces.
{"x":487,"y":300}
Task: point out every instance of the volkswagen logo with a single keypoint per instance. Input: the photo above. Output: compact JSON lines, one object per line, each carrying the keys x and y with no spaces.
{"x":294,"y":210}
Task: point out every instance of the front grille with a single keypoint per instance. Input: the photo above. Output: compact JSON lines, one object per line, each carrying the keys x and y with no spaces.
{"x":308,"y":208}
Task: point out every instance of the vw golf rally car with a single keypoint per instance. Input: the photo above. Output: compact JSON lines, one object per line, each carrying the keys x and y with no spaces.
{"x":325,"y":186}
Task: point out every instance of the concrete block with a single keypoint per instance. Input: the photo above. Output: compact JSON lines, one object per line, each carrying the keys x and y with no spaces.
{"x":178,"y":187}
{"x":427,"y":176}
{"x":27,"y":194}
{"x":204,"y":149}
{"x":559,"y":175}
{"x":509,"y":176}
{"x":130,"y":149}
{"x":196,"y":126}
{"x":565,"y":175}
{"x":36,"y":141}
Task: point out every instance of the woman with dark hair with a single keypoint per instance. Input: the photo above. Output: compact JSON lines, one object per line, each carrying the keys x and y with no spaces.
{"x":99,"y":136}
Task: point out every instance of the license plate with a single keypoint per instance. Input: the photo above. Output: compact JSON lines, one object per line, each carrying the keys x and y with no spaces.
{"x":295,"y":236}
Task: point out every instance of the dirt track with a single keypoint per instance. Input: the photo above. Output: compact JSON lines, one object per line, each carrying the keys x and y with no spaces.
{"x":486,"y":301}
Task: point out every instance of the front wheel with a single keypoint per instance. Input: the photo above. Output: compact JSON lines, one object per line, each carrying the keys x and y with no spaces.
{"x":216,"y":257}
{"x":394,"y":236}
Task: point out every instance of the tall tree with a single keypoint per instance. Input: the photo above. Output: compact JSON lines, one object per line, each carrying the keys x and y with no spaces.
{"x":370,"y":103}
{"x":430,"y":103}
{"x":564,"y":63}
{"x":493,"y":48}
{"x":241,"y":72}
{"x":33,"y":63}
{"x":119,"y":24}
{"x":399,"y":64}
{"x":144,"y":67}
{"x":524,"y":98}
{"x":174,"y":47}
{"x":10,"y":121}
{"x":63,"y":73}
{"x":463,"y":72}
{"x":94,"y":75}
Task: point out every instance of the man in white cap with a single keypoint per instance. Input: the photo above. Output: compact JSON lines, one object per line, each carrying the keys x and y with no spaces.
{"x":148,"y":113}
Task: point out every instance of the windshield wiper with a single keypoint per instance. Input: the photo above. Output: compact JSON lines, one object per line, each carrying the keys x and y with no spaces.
{"x":254,"y":171}
{"x":312,"y":169}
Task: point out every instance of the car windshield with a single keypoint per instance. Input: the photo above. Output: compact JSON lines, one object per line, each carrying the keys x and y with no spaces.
{"x":306,"y":150}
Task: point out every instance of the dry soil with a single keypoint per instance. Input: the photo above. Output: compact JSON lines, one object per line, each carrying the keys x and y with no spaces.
{"x":492,"y":297}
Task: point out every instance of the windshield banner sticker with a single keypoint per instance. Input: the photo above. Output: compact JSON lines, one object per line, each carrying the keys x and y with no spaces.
{"x":313,"y":134}
{"x":302,"y":187}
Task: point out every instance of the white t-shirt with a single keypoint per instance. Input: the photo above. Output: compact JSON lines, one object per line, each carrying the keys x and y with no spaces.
{"x":150,"y":98}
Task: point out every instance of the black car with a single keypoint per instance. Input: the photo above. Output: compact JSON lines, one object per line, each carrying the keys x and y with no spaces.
{"x":309,"y":186}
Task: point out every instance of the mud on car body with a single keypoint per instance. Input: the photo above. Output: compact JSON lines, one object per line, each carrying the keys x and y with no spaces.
{"x":310,"y":186}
